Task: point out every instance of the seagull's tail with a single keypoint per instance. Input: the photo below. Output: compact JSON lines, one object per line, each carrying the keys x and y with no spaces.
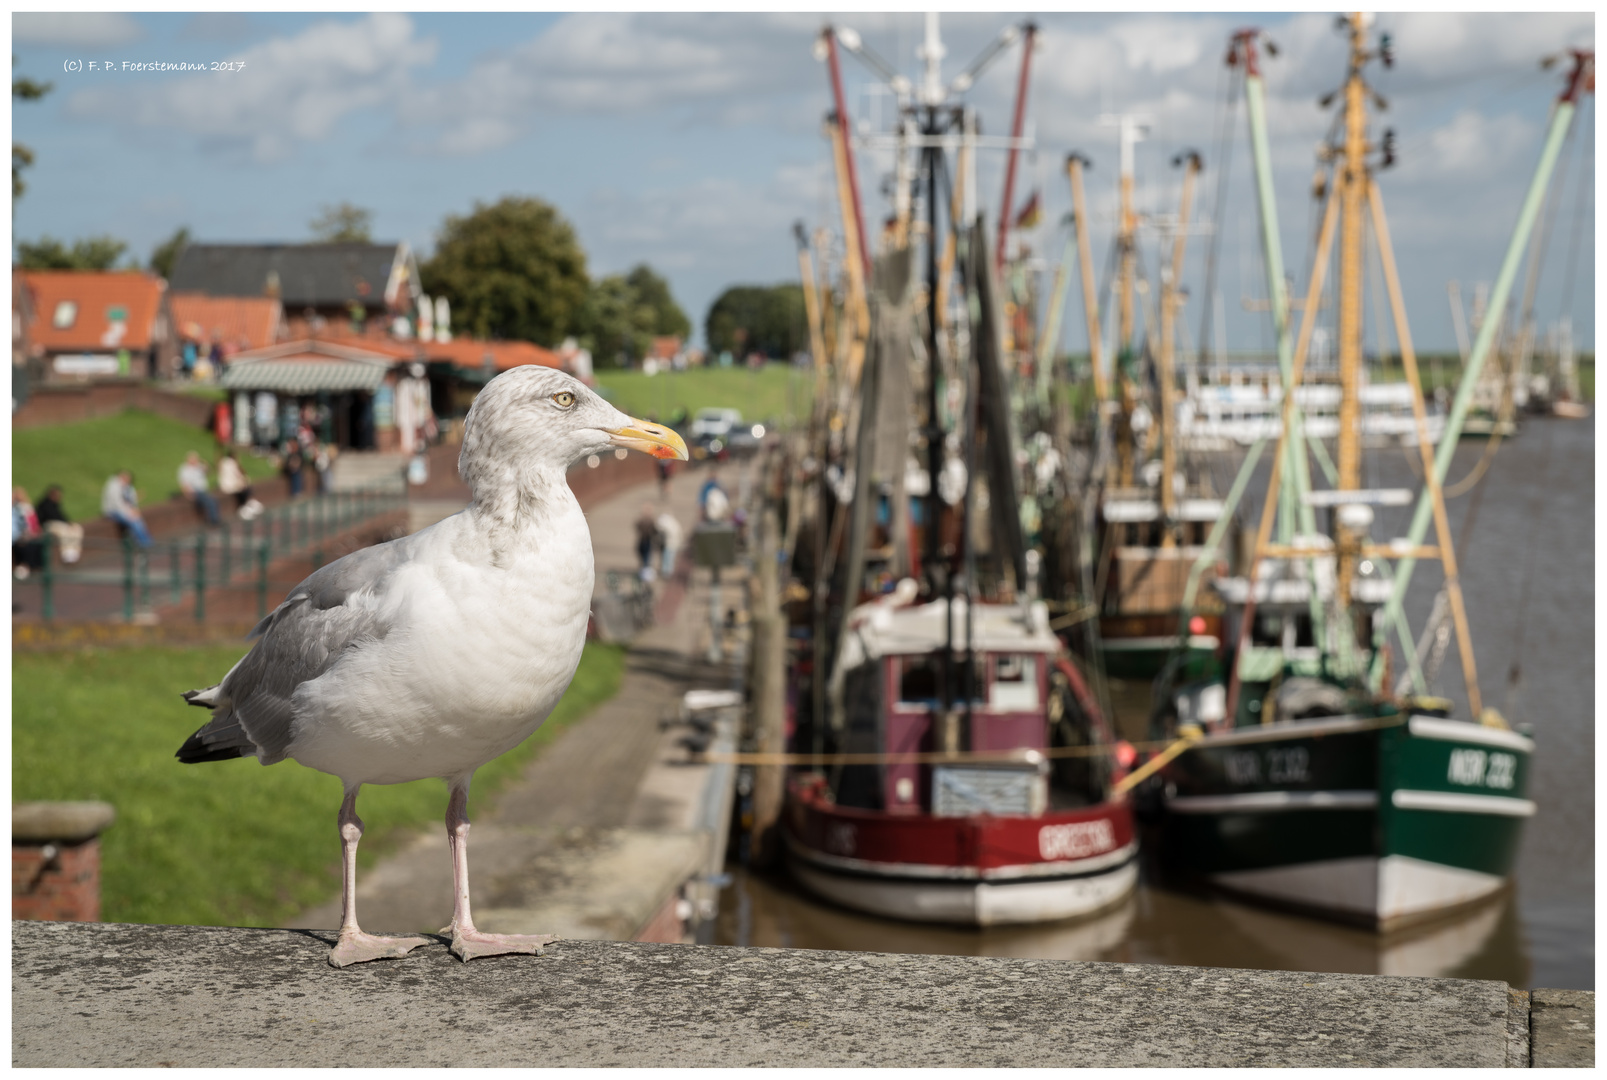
{"x":206,"y":699}
{"x":220,"y":738}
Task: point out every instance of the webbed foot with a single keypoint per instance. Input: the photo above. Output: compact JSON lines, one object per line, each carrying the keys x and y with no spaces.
{"x":355,"y":947}
{"x":469,"y":944}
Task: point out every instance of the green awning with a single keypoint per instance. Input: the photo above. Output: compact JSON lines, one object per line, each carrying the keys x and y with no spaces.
{"x":305,"y":376}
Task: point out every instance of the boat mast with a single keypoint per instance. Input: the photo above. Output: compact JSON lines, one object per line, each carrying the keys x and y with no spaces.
{"x":1031,"y":32}
{"x":1290,"y":502}
{"x":1353,"y":179}
{"x":1170,"y":277}
{"x":1580,"y":81}
{"x":1075,"y":163}
{"x":1130,"y":129}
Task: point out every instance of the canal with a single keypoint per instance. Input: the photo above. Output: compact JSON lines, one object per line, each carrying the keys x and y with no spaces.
{"x":1528,"y":566}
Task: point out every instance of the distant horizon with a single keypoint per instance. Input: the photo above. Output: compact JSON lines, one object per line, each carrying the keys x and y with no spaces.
{"x":692,"y":143}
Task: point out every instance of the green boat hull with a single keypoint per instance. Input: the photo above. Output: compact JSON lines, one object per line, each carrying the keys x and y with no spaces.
{"x":1383,"y":822}
{"x":1143,"y":658}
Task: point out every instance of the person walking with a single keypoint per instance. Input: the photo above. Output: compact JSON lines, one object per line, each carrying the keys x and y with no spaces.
{"x":670,"y":535}
{"x":646,"y":539}
{"x":119,"y":503}
{"x":293,"y":466}
{"x":712,"y":500}
{"x":53,"y":519}
{"x":194,"y":483}
{"x":232,"y":480}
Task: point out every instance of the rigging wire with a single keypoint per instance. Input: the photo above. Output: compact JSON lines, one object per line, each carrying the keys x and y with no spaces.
{"x":1536,"y":255}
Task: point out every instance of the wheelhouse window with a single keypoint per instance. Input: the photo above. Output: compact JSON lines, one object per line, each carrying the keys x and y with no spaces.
{"x":1015,"y":683}
{"x":921,"y":676}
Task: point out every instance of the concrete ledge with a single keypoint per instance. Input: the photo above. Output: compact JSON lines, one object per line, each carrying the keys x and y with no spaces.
{"x":110,"y":994}
{"x":1562,"y":1029}
{"x":72,"y":822}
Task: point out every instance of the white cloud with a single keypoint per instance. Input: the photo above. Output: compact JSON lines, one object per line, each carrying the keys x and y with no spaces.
{"x":1446,"y":47}
{"x":293,"y":90}
{"x":79,"y":29}
{"x":725,"y":66}
{"x":1472,"y":140}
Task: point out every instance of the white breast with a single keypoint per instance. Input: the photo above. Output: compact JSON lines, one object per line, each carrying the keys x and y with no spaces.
{"x":475,"y":658}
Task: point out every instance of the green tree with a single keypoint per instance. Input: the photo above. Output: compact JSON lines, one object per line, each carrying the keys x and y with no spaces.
{"x":513,"y":269}
{"x":48,"y":253}
{"x":625,"y":312}
{"x":167,"y":252}
{"x":342,"y":223}
{"x":23,"y":89}
{"x":758,"y":318}
{"x":653,"y":292}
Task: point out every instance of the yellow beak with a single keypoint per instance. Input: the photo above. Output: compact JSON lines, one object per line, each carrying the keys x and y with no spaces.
{"x":655,"y":439}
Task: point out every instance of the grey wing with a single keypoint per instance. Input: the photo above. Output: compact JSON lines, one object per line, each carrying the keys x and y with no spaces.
{"x":299,"y":640}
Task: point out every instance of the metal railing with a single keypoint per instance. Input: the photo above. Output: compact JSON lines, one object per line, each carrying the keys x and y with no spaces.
{"x":234,"y":555}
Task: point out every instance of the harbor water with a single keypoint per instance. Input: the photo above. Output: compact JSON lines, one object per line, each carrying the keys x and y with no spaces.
{"x":1528,"y":570}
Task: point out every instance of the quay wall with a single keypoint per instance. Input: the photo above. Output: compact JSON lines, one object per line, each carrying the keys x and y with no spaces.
{"x":122,"y":995}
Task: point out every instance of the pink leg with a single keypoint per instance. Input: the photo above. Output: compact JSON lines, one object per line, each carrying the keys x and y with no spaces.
{"x":354,"y":946}
{"x":467,"y":942}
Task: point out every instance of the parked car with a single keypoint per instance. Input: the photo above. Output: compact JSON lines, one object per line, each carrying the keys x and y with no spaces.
{"x":714,"y":425}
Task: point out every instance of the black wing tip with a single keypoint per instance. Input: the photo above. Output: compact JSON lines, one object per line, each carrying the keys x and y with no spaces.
{"x":194,"y":751}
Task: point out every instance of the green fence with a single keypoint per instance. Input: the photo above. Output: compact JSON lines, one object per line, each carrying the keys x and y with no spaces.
{"x":234,"y":555}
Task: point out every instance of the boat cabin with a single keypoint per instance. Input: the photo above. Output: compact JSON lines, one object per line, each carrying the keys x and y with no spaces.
{"x":894,"y":701}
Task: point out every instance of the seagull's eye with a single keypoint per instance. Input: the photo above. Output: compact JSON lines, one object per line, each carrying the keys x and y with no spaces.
{"x":563,"y":399}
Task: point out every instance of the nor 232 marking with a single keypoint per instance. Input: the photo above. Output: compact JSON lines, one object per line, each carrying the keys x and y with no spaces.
{"x":1476,"y":768}
{"x":1276,"y":765}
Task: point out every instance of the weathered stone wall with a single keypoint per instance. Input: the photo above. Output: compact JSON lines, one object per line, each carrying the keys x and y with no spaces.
{"x":107,"y":994}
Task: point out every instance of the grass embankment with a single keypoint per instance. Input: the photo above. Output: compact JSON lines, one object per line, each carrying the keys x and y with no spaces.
{"x":81,"y":456}
{"x":776,"y":393}
{"x":223,"y":843}
{"x":1438,"y":370}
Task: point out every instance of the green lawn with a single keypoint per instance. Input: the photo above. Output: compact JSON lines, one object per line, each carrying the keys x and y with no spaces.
{"x":776,"y":393}
{"x":81,"y":456}
{"x":222,"y":843}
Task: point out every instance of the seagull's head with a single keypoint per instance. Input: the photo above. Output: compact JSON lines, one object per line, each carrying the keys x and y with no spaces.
{"x":535,"y":421}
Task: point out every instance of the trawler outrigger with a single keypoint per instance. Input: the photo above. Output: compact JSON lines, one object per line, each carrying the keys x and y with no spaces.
{"x":1300,"y":775}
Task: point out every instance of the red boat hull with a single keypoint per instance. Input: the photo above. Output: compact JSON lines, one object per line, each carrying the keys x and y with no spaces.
{"x":980,"y":870}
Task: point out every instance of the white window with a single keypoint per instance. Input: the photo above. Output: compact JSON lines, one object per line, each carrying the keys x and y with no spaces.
{"x":1015,"y":683}
{"x":66,"y":314}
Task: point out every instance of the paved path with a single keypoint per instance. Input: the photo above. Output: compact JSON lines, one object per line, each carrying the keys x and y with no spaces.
{"x":594,"y":836}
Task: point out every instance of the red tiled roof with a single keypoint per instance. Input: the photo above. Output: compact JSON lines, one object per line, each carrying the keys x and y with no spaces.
{"x":464,"y":352}
{"x":248,"y":321}
{"x":96,"y":294}
{"x":505,"y":354}
{"x":374,"y":343}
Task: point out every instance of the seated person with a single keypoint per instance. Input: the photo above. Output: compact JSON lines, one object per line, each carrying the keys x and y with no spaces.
{"x":119,"y":503}
{"x":27,"y":548}
{"x":232,"y":480}
{"x":193,"y":482}
{"x":54,"y":520}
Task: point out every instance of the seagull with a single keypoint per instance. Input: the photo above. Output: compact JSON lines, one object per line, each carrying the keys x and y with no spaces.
{"x":430,"y":655}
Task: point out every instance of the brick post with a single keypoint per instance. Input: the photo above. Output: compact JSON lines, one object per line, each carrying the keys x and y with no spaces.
{"x":55,"y":860}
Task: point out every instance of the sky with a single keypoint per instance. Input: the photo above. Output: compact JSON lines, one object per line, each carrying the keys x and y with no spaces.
{"x":692,"y":142}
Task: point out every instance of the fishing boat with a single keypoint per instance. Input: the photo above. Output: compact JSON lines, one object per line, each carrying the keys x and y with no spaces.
{"x":1000,"y":834}
{"x":951,"y":763}
{"x":1152,"y":515}
{"x":1302,"y":773}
